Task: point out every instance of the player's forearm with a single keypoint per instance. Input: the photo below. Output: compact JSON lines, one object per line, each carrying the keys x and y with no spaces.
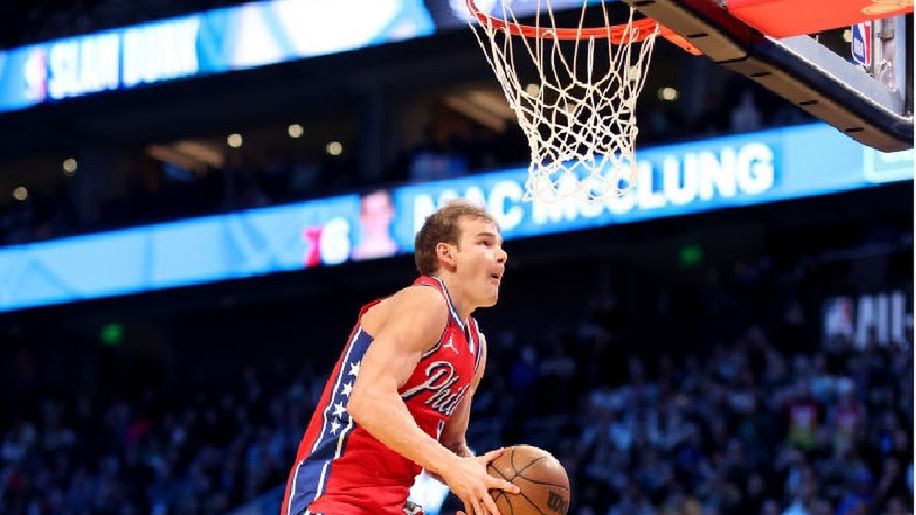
{"x":386,"y":418}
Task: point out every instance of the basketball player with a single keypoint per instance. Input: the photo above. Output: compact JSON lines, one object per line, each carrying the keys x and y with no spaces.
{"x":399,"y":398}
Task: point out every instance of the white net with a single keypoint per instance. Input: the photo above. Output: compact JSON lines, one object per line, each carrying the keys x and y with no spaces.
{"x":575,"y":98}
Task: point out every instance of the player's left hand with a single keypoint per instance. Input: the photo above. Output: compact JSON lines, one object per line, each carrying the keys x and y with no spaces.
{"x":469,"y":480}
{"x":461,"y":450}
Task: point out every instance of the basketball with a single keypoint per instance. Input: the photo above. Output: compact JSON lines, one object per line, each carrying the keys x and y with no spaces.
{"x":542,"y":480}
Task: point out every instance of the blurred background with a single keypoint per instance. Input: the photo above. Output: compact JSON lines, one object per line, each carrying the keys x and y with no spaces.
{"x":196,"y":196}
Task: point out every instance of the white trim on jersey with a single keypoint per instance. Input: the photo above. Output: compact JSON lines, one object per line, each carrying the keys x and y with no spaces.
{"x":337,"y":453}
{"x":481,"y":341}
{"x":292,"y":489}
{"x":435,"y":347}
{"x":340,"y":373}
{"x":324,"y":424}
{"x":448,"y":300}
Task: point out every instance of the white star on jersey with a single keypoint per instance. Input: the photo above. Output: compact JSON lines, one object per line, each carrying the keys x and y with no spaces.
{"x":354,"y":369}
{"x":348,"y":387}
{"x":335,"y":426}
{"x":339,"y":409}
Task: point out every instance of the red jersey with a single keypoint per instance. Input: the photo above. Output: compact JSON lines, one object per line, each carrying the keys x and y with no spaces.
{"x":340,"y":468}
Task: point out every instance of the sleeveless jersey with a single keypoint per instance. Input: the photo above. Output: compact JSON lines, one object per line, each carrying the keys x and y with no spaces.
{"x":340,"y":468}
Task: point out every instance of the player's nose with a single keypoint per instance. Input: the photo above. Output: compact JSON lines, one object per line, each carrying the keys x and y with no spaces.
{"x":502,"y":256}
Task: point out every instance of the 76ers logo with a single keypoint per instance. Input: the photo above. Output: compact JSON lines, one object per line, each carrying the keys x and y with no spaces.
{"x":440,"y":377}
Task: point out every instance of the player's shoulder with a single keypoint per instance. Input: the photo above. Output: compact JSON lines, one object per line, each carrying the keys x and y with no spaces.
{"x":420,"y":300}
{"x":420,"y":292}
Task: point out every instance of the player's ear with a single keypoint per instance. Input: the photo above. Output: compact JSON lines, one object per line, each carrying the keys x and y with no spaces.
{"x":446,"y":254}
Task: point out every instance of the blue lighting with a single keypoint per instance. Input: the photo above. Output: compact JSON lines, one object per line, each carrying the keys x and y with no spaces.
{"x":719,"y":173}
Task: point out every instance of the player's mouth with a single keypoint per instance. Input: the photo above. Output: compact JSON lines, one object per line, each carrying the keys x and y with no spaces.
{"x":496,"y":277}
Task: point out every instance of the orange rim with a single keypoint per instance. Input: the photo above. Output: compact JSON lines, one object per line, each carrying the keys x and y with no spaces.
{"x":617,"y":34}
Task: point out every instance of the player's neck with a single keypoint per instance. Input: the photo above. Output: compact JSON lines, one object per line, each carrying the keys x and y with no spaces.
{"x":460,"y":301}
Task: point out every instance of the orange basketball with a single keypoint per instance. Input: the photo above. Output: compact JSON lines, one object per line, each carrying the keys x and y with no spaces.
{"x":542,"y":480}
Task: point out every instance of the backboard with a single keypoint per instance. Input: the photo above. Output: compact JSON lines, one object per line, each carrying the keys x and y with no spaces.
{"x":784,"y":45}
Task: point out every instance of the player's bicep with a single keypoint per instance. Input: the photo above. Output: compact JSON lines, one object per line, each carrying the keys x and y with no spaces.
{"x":416,"y":320}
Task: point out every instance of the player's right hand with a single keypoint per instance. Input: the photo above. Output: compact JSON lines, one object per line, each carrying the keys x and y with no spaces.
{"x":468,"y":479}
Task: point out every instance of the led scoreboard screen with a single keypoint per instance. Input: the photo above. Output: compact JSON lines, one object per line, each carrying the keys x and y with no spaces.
{"x":218,"y":41}
{"x":685,"y":178}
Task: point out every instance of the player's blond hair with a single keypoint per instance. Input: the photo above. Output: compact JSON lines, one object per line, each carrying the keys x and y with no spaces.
{"x":442,"y":227}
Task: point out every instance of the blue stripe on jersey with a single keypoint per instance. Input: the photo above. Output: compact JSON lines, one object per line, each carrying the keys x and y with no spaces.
{"x":481,"y":341}
{"x":448,"y":300}
{"x":312,"y":472}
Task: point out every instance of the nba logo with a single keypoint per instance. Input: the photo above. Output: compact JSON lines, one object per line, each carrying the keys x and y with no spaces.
{"x":861,"y":43}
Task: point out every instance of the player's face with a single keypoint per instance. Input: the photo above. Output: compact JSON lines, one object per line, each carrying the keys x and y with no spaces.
{"x":480,"y":260}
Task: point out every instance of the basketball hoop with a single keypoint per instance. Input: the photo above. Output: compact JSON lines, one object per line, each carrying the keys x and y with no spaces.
{"x":578,"y":111}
